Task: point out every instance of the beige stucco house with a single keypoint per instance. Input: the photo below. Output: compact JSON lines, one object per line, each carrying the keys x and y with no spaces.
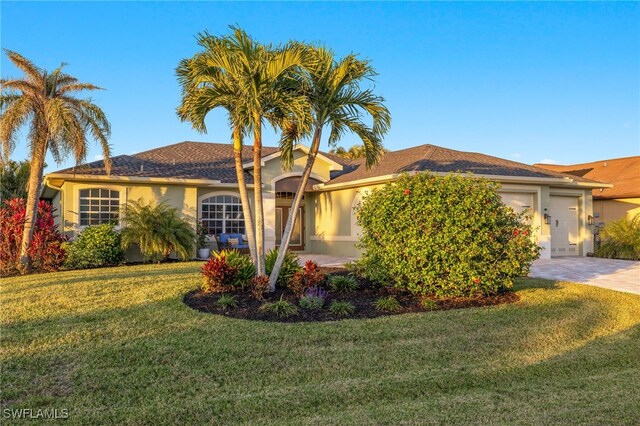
{"x":199,"y":179}
{"x":623,"y":199}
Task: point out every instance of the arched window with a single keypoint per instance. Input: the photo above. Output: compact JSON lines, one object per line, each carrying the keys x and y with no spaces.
{"x":222,"y":214}
{"x":99,"y":205}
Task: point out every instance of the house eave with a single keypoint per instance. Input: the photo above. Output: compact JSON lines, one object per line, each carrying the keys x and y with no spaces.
{"x":73,"y":177}
{"x":332,"y":164}
{"x":566,"y":181}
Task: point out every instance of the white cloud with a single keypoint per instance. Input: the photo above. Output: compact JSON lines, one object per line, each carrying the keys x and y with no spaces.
{"x":98,"y":157}
{"x":516,"y":155}
{"x":548,"y":161}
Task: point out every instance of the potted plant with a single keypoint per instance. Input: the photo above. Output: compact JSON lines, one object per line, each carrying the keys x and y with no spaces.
{"x":201,"y":241}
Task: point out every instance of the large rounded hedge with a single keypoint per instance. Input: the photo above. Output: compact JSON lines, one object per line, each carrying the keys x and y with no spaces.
{"x":446,"y":236}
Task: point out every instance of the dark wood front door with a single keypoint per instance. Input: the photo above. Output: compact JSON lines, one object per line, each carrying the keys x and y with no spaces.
{"x":297,"y":237}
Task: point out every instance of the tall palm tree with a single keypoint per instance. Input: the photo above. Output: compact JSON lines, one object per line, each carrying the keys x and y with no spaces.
{"x":339,"y":103}
{"x":268,"y":77}
{"x":211,"y":79}
{"x":59,"y":123}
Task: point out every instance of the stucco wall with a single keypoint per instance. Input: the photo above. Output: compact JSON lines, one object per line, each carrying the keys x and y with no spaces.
{"x":608,"y":210}
{"x":183,"y":198}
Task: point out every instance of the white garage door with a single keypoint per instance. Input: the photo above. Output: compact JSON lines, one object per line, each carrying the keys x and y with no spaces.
{"x":518,"y":201}
{"x":565,"y":232}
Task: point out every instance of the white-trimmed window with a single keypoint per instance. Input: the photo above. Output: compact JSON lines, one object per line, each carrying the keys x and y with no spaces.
{"x":99,"y":205}
{"x":222,"y":214}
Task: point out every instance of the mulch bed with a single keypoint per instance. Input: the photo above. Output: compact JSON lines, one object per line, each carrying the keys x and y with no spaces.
{"x":363,"y":299}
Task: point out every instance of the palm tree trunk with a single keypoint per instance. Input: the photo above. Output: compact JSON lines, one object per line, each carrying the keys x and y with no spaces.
{"x":297,"y":200}
{"x":35,"y":178}
{"x":244,"y":195}
{"x":257,"y":190}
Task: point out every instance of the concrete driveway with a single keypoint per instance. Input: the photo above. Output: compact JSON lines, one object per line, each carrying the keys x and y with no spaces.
{"x":621,"y":275}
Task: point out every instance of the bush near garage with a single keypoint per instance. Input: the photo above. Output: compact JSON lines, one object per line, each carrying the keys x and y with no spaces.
{"x":448,"y":236}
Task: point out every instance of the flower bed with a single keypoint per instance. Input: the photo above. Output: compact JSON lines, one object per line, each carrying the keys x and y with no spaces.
{"x":365,"y":300}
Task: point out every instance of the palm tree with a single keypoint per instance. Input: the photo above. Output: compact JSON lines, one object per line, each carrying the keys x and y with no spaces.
{"x":157,"y":229}
{"x":270,"y":81}
{"x":59,"y":123}
{"x":209,"y":80}
{"x":267,"y":78}
{"x":337,"y":101}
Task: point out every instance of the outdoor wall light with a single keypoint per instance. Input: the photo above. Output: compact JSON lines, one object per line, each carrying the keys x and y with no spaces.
{"x":547,"y":218}
{"x":589,"y":220}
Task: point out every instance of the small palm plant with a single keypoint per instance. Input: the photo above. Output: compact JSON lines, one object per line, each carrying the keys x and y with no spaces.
{"x":157,"y":229}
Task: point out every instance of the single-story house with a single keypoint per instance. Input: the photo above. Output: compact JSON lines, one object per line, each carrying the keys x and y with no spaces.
{"x":199,"y":179}
{"x":623,"y":199}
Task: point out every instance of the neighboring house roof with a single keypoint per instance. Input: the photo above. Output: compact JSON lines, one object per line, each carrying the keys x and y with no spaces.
{"x":214,"y":161}
{"x":438,"y":159}
{"x":623,"y":173}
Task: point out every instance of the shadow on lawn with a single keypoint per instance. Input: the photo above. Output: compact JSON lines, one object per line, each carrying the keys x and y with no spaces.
{"x":167,"y":343}
{"x":107,"y":273}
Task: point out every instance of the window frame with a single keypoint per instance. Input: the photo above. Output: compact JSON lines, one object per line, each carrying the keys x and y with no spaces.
{"x":201,"y":202}
{"x":80,"y":188}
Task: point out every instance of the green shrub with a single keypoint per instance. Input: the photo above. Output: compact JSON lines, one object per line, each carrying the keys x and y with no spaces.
{"x":157,"y":229}
{"x":429,"y":304}
{"x":342,"y":308}
{"x":96,"y":246}
{"x":620,"y":239}
{"x":448,"y":236}
{"x":290,"y":266}
{"x":282,"y":308}
{"x":227,"y":301}
{"x":387,"y":304}
{"x":245,"y":269}
{"x":343,"y":284}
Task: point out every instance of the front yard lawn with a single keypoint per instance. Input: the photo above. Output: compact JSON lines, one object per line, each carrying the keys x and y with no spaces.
{"x":118,"y":345}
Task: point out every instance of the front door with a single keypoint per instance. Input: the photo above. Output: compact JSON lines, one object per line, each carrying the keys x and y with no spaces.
{"x":565,"y":231}
{"x":297,"y":236}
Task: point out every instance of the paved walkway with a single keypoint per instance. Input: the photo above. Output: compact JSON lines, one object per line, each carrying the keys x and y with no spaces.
{"x":621,"y":275}
{"x":325,"y":260}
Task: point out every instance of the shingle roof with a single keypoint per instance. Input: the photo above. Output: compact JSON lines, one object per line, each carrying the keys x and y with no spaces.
{"x":623,"y":173}
{"x":214,"y":161}
{"x":437,"y":159}
{"x":185,"y":160}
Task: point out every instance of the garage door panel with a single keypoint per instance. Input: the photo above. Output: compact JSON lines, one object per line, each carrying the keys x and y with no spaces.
{"x":519,"y":202}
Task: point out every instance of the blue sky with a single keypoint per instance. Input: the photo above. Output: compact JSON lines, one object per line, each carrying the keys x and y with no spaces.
{"x":523,"y":81}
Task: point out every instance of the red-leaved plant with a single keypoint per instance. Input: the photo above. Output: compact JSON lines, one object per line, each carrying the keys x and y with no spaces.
{"x":310,"y":276}
{"x":259,"y":286}
{"x":218,"y":275}
{"x":46,"y":251}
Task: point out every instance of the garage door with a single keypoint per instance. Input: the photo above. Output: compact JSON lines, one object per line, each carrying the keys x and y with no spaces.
{"x":565,"y":232}
{"x":518,"y":201}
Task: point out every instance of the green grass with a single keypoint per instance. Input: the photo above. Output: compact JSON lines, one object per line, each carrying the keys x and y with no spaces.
{"x":118,"y":346}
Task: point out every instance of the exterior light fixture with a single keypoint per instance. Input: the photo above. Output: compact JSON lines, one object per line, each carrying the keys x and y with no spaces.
{"x":547,"y":218}
{"x":589,"y":220}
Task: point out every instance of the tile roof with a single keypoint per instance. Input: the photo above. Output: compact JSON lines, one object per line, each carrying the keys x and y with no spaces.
{"x":623,"y":173}
{"x":438,"y":159}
